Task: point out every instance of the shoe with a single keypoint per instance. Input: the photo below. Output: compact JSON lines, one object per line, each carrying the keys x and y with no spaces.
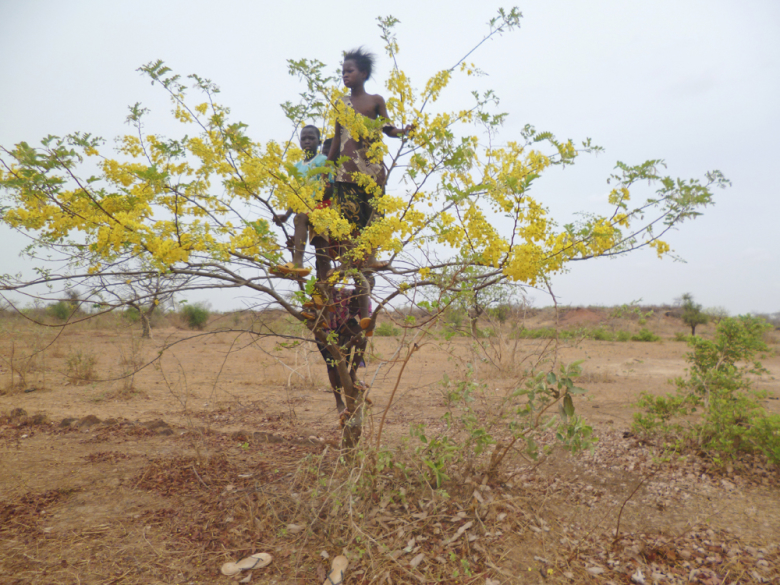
{"x":316,"y":302}
{"x":290,"y":269}
{"x":256,"y":561}
{"x":365,"y":323}
{"x":376,"y":265}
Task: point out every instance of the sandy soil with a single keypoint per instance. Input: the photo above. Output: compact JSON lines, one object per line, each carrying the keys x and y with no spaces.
{"x":79,"y":503}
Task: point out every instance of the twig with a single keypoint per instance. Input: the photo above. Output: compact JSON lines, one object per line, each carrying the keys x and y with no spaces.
{"x":620,"y":514}
{"x":412,"y":349}
{"x":198,"y":476}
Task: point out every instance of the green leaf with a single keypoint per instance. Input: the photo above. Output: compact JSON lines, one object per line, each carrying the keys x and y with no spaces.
{"x":568,"y":405}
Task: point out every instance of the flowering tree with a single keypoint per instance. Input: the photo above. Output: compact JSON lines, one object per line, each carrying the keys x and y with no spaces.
{"x":197,"y":207}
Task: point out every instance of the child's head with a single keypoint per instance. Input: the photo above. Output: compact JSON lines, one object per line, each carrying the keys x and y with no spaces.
{"x":310,"y":139}
{"x":357,"y":66}
{"x":326,"y":145}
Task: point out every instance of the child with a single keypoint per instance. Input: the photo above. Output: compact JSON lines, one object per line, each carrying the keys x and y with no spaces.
{"x":354,"y":201}
{"x":310,"y":144}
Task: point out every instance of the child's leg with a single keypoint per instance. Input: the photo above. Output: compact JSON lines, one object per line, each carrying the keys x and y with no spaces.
{"x":301,"y":223}
{"x":322,"y":257}
{"x":363,"y":285}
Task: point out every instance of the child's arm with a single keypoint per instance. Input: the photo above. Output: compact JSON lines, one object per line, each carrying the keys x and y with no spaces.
{"x":389,"y":129}
{"x":333,"y":153}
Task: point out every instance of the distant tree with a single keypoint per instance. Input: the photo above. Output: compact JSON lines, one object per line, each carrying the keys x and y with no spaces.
{"x":692,"y":313}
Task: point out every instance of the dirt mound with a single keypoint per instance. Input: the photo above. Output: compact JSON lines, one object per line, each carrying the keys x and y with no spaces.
{"x":582,"y":317}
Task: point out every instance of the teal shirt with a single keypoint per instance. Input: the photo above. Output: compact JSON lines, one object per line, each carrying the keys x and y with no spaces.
{"x":317,"y":161}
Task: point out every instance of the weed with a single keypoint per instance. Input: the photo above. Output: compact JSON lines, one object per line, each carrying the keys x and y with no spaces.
{"x":81,"y":366}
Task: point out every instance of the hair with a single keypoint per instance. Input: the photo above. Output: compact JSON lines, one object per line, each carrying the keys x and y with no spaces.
{"x":312,"y":126}
{"x":363,"y":59}
{"x":326,"y":145}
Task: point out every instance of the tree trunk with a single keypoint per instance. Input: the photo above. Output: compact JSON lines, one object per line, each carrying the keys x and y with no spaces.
{"x":146,"y":325}
{"x":474,"y":316}
{"x":353,"y":397}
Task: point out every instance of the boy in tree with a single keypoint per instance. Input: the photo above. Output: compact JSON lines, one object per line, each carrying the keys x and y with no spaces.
{"x":354,"y":201}
{"x":310,"y":144}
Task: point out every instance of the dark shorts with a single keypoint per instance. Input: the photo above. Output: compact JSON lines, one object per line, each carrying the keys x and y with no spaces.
{"x":354,"y":203}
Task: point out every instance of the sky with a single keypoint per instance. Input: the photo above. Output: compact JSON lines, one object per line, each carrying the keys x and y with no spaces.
{"x":693,"y":82}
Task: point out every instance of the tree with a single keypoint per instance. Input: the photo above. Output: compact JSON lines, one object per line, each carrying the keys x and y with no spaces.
{"x":692,"y":313}
{"x":199,"y":205}
{"x":145,"y":293}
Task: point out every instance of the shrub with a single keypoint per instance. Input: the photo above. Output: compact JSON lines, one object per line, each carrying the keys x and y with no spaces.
{"x":132,"y":315}
{"x":603,"y":335}
{"x":196,"y":316}
{"x":719,"y":383}
{"x":645,"y":335}
{"x":623,"y":335}
{"x":679,"y":336}
{"x":387,"y":330}
{"x":60,"y":310}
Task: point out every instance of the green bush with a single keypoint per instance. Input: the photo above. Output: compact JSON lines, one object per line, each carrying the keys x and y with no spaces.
{"x":603,"y":335}
{"x":387,"y":330}
{"x":645,"y":335}
{"x":132,"y":315}
{"x":60,"y":310}
{"x":719,"y":385}
{"x":195,"y":316}
{"x":622,"y":335}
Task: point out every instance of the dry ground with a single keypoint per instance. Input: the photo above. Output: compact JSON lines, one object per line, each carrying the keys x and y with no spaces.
{"x":208,"y":454}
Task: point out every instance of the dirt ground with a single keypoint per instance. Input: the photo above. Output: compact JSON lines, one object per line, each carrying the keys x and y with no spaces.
{"x":164,"y":476}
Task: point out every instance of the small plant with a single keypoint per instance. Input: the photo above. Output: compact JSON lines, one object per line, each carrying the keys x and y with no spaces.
{"x":622,"y":335}
{"x":679,"y":336}
{"x":195,"y":316}
{"x":645,"y":335}
{"x":387,"y":330}
{"x":81,"y":366}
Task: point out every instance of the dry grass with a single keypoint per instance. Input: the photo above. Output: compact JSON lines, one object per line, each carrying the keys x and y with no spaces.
{"x":301,"y":503}
{"x":593,"y":377}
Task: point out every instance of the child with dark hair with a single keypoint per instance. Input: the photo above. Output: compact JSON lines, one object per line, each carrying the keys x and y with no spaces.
{"x":310,"y":144}
{"x":355,"y":206}
{"x":353,"y":199}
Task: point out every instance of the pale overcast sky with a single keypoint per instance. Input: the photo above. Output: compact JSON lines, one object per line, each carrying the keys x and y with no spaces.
{"x":696,"y":83}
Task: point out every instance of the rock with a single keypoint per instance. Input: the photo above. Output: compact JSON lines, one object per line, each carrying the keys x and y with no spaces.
{"x":154,"y":425}
{"x":39,"y":419}
{"x":595,"y":571}
{"x":88,"y":421}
